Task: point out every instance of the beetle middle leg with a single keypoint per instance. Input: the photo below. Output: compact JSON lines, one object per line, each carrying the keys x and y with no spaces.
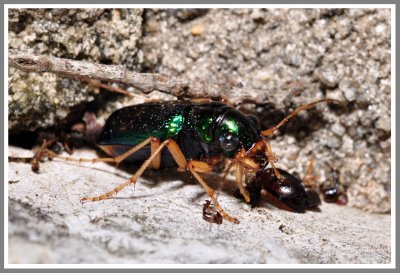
{"x":131,"y":180}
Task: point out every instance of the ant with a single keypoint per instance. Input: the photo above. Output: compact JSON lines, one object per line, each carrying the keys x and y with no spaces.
{"x":334,"y":191}
{"x":210,"y":214}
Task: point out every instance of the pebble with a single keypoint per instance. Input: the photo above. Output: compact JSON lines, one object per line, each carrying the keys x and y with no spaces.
{"x":348,"y":145}
{"x":348,"y":89}
{"x":383,"y":123}
{"x":385,"y":144}
{"x":338,"y":129}
{"x":328,"y":75}
{"x":335,"y":94}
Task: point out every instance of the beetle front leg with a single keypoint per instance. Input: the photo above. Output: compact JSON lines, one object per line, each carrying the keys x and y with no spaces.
{"x":195,"y":167}
{"x":239,"y":181}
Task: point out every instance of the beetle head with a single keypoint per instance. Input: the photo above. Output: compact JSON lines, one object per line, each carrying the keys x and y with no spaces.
{"x":239,"y":138}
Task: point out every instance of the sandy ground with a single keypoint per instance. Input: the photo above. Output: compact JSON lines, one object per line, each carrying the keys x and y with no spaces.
{"x":160,"y":221}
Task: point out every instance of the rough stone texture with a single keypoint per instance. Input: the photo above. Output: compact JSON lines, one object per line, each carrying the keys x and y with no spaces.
{"x":160,"y":221}
{"x":295,"y":56}
{"x":97,"y":35}
{"x":291,"y":56}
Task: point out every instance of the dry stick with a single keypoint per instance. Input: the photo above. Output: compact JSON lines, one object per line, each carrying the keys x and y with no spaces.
{"x":145,"y":82}
{"x":96,"y":83}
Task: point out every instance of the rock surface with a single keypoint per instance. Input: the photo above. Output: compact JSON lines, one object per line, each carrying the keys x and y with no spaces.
{"x":292,"y":57}
{"x":287,"y":56}
{"x":160,"y":221}
{"x":95,"y":35}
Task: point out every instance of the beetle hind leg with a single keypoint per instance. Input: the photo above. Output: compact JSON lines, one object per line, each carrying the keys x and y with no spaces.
{"x":117,"y":160}
{"x":131,"y":180}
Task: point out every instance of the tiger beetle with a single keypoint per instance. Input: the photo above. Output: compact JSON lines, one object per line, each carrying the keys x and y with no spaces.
{"x":197,"y":136}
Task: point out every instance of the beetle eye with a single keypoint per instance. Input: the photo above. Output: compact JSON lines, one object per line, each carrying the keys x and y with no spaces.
{"x":228,"y":141}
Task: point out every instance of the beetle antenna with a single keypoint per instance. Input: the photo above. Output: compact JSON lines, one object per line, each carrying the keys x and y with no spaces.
{"x":293,"y":114}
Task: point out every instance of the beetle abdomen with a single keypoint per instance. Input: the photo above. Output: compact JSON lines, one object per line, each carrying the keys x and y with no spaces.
{"x":133,"y":124}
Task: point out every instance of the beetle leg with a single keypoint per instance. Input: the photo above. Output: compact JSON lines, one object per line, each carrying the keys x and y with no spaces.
{"x":200,"y":100}
{"x":224,"y":99}
{"x":131,"y":180}
{"x":39,"y":155}
{"x":117,"y":160}
{"x":239,"y":181}
{"x":155,"y":144}
{"x":272,"y":159}
{"x":228,"y":169}
{"x":194,"y":167}
{"x":293,"y":114}
{"x":210,"y":192}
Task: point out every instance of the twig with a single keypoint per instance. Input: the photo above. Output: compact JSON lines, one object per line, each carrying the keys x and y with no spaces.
{"x":96,"y":83}
{"x":145,"y":82}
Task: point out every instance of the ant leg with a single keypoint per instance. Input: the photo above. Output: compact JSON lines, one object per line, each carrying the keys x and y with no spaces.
{"x":131,"y":180}
{"x":310,"y":177}
{"x":194,"y":167}
{"x":293,"y":114}
{"x":309,"y":169}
